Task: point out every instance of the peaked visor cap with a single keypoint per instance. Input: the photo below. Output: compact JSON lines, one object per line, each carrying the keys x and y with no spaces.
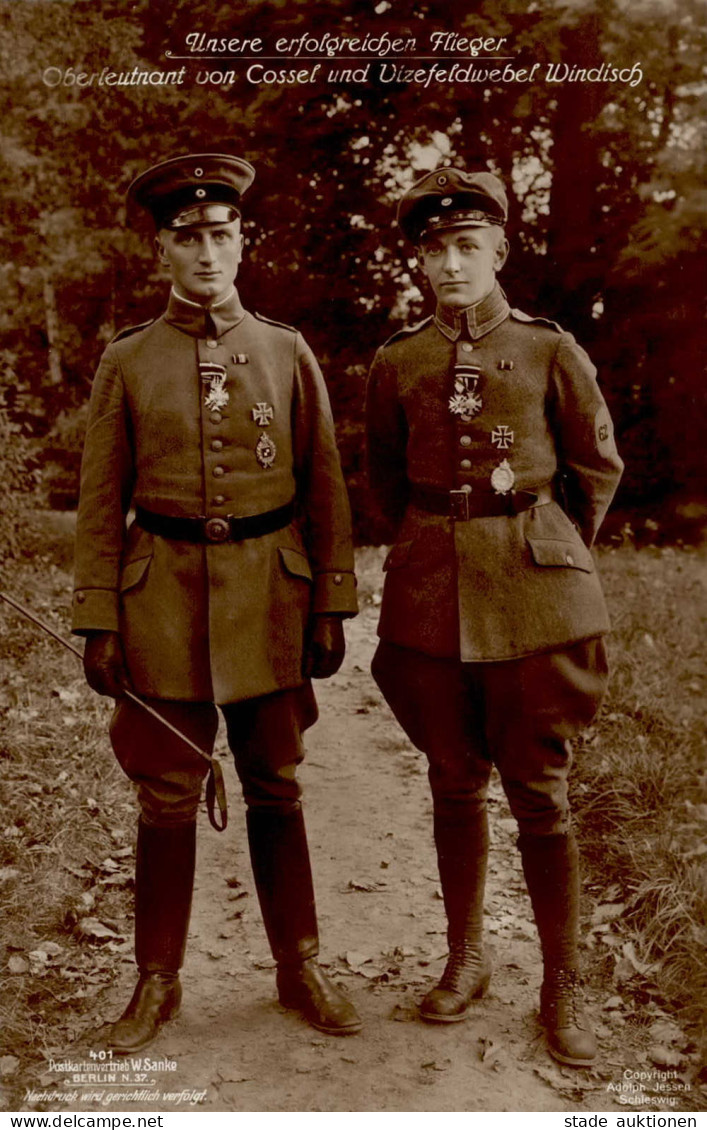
{"x":197,"y":189}
{"x":452,"y":198}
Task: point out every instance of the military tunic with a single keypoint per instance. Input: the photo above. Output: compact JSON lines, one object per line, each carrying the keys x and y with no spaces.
{"x":510,"y":585}
{"x":211,"y":622}
{"x":491,"y":649}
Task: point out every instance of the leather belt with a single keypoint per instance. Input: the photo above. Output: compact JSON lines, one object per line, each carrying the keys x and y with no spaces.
{"x":215,"y":530}
{"x":462,"y":505}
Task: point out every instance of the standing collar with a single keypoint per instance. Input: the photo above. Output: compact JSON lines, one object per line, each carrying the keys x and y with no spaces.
{"x":475,"y":320}
{"x":204,"y":321}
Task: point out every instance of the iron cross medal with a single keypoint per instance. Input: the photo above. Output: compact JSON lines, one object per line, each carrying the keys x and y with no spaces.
{"x":263,"y":414}
{"x":502,"y":437}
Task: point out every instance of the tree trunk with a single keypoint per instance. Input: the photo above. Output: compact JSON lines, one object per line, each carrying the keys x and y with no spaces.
{"x":51,"y":318}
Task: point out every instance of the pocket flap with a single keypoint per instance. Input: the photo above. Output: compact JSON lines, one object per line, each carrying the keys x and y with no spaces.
{"x":554,"y":551}
{"x":133,"y":572}
{"x":398,"y":555}
{"x":295,"y":563}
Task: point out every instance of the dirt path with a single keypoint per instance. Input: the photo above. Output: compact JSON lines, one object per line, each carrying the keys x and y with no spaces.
{"x":382,"y":927}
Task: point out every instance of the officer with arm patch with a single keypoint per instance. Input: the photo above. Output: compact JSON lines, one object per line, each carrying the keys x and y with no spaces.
{"x":491,"y":455}
{"x":229,"y":588}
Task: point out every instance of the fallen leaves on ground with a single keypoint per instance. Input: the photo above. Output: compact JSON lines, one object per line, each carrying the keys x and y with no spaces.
{"x":94,"y":928}
{"x":368,"y":886}
{"x":663,"y":1056}
{"x":494,"y":1054}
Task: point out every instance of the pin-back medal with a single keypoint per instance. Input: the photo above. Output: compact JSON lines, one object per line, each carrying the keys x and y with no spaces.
{"x":502,"y":437}
{"x":214,"y":376}
{"x":465,"y":404}
{"x":502,"y":478}
{"x":263,"y":414}
{"x":466,"y":401}
{"x":265,"y":451}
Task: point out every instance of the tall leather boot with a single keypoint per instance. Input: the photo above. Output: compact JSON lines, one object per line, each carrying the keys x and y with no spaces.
{"x":164,"y":880}
{"x":461,"y":838}
{"x":283,"y":880}
{"x":551,"y":868}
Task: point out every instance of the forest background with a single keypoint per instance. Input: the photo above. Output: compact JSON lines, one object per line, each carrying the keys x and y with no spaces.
{"x":608,"y":199}
{"x":608,"y":204}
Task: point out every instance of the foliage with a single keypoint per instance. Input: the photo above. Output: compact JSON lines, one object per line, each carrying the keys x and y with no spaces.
{"x":67,"y":824}
{"x":639,"y":779}
{"x":607,"y":211}
{"x":19,"y":476}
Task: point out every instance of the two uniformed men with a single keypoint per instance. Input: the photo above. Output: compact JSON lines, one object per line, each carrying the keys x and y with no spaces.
{"x":492,"y":457}
{"x":229,"y":587}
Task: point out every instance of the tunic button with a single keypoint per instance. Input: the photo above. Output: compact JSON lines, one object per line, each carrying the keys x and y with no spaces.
{"x":80,"y":597}
{"x":211,"y":344}
{"x":219,"y":499}
{"x":338,"y":579}
{"x":465,"y":441}
{"x":569,"y":559}
{"x":467,"y":347}
{"x":216,"y":444}
{"x":218,"y":472}
{"x":465,"y":464}
{"x":216,"y":417}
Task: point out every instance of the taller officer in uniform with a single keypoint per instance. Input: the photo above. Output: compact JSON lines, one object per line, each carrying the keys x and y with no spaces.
{"x":229,"y":587}
{"x":491,"y":454}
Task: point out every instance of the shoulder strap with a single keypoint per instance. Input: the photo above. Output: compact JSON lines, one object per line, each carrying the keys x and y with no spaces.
{"x":407,"y":331}
{"x":521,"y":317}
{"x":130,"y":330}
{"x":272,"y":322}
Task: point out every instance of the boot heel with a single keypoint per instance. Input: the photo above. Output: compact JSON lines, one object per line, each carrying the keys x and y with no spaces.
{"x":287,"y":998}
{"x":483,"y":986}
{"x":173,"y":1009}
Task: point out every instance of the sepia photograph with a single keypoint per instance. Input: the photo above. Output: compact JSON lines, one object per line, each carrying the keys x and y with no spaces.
{"x":353,"y":545}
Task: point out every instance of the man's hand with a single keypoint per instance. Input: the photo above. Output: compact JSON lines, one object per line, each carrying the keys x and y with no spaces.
{"x":325,"y":647}
{"x":104,"y":664}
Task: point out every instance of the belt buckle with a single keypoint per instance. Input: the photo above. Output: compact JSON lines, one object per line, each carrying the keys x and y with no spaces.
{"x":459,"y":505}
{"x":217,"y":529}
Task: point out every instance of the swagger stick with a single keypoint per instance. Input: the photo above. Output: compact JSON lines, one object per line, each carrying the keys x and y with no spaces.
{"x":215,"y":788}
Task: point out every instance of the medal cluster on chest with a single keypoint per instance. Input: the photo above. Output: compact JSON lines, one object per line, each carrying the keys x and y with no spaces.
{"x":214,"y":378}
{"x":466,"y":403}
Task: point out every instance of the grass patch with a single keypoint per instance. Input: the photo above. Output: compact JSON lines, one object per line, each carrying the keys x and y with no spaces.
{"x":640,"y":796}
{"x":67,"y":825}
{"x":640,"y":780}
